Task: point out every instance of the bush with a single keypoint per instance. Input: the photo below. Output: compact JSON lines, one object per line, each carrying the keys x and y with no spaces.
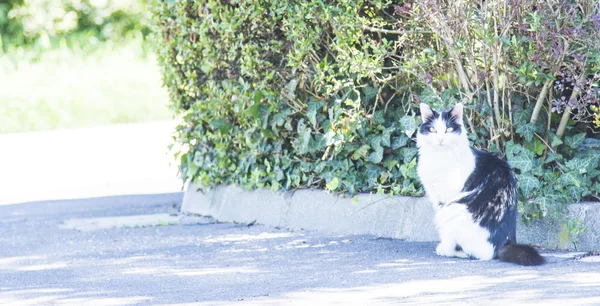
{"x":301,"y":94}
{"x":45,"y":24}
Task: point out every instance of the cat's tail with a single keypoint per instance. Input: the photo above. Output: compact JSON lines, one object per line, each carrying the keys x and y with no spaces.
{"x":520,"y":254}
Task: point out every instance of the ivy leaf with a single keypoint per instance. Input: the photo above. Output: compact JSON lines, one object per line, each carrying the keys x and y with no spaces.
{"x":528,"y":183}
{"x":390,"y":163}
{"x":544,"y":202}
{"x":591,"y":143}
{"x":570,"y":178}
{"x":522,"y":117}
{"x":333,"y":184}
{"x":385,"y":137}
{"x":361,"y":152}
{"x":408,"y":154}
{"x":512,"y":149}
{"x":553,"y":156}
{"x":400,"y":141}
{"x":526,"y":131}
{"x":369,"y":93}
{"x":522,"y":161}
{"x":373,"y":172}
{"x":408,"y":125}
{"x":379,"y":118}
{"x":574,"y":141}
{"x":538,"y":147}
{"x":311,"y":113}
{"x":555,"y":140}
{"x":376,"y":156}
{"x":320,"y":142}
{"x":580,"y":165}
{"x":429,"y":97}
{"x":575,"y":193}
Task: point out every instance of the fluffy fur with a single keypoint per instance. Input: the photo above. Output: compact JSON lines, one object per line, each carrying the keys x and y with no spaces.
{"x":474,"y":193}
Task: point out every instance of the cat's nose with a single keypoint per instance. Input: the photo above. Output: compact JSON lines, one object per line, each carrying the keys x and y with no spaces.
{"x":440,"y":140}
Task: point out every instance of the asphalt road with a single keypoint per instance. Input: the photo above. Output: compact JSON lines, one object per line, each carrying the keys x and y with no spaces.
{"x":46,"y":261}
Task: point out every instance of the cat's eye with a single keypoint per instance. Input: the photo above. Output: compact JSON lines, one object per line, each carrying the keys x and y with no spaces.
{"x":449,"y":130}
{"x":432,"y":129}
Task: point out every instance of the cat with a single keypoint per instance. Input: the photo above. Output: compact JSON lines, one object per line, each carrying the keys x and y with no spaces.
{"x":474,"y":193}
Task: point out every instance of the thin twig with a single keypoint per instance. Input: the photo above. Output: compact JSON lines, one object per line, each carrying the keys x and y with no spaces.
{"x":386,"y":31}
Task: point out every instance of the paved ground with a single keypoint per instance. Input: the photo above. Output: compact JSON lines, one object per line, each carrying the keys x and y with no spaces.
{"x":43,"y":261}
{"x":66,"y":252}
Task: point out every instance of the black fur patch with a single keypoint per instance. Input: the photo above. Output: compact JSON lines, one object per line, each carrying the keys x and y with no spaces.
{"x":520,"y":254}
{"x":494,"y":202}
{"x":451,"y":122}
{"x":428,"y":123}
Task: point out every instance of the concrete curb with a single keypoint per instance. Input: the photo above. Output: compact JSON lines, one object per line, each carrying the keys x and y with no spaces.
{"x":406,"y":218}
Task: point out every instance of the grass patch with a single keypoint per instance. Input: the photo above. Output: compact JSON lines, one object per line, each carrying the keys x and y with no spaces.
{"x":67,"y":89}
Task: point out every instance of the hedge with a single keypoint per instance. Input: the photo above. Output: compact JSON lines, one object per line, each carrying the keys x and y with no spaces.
{"x":324,"y":94}
{"x":40,"y":25}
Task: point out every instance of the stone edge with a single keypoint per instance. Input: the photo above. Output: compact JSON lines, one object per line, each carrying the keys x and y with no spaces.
{"x":398,"y":217}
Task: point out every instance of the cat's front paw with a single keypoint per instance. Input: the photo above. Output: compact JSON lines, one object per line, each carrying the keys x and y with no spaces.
{"x":445,"y":250}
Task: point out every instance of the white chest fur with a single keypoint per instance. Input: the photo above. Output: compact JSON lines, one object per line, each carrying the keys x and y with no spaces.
{"x":443,"y":172}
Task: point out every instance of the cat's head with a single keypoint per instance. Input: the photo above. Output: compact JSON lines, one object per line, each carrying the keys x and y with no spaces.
{"x":442,"y":129}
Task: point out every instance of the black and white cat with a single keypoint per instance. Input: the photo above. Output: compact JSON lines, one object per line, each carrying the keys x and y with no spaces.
{"x":474,"y":193}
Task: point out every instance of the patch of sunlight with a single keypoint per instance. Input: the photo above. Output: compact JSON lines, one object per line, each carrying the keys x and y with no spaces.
{"x":9,"y":262}
{"x":245,"y":250}
{"x":583,"y":279}
{"x":401,"y":263}
{"x":25,"y":263}
{"x":52,"y":266}
{"x":294,"y":244}
{"x":248,"y":237}
{"x":135,"y":300}
{"x":133,"y":259}
{"x":90,"y":224}
{"x":368,"y":271}
{"x":591,"y":259}
{"x":158,"y":271}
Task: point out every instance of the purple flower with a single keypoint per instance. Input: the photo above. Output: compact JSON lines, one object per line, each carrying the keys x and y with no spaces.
{"x":428,"y":79}
{"x":596,"y":19}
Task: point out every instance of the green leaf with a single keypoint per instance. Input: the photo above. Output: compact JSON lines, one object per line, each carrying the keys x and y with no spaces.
{"x":528,"y":183}
{"x":574,"y":141}
{"x":408,"y":154}
{"x":553,"y":156}
{"x":373,"y":172}
{"x":385,"y":137}
{"x":581,"y":165}
{"x":526,"y":130}
{"x":522,"y":117}
{"x":333,"y":184}
{"x":570,"y":178}
{"x":376,"y":156}
{"x":400,"y":141}
{"x":522,"y":161}
{"x":408,"y":125}
{"x":390,"y":163}
{"x":379,"y":117}
{"x":369,"y":93}
{"x":555,"y":140}
{"x":538,"y":147}
{"x":429,"y":97}
{"x":311,"y":113}
{"x":361,"y":152}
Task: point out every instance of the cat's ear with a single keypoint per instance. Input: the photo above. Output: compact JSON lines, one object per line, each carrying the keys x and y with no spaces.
{"x":426,"y":111}
{"x":457,"y":111}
